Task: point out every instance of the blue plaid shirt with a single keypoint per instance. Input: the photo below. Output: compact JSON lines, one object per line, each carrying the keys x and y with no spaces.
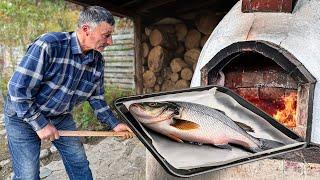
{"x":54,"y":76}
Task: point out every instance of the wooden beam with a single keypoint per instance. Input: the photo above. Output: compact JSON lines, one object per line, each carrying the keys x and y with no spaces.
{"x":138,"y":55}
{"x":129,"y":3}
{"x":153,"y":4}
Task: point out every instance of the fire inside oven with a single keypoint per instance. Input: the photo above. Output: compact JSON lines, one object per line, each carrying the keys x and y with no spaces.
{"x":267,"y":76}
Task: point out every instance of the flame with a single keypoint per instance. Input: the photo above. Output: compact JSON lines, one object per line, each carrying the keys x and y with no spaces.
{"x":287,"y":116}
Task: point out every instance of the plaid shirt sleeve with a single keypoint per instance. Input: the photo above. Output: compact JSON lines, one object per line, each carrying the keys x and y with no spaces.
{"x":100,"y":107}
{"x":25,"y":82}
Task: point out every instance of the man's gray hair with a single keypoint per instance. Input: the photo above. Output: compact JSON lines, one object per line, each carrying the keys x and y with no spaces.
{"x":94,"y":15}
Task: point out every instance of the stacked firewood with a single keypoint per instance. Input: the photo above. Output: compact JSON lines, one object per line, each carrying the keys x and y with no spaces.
{"x":170,"y":52}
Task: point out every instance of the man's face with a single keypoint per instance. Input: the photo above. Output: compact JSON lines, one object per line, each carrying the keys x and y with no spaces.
{"x":100,"y":36}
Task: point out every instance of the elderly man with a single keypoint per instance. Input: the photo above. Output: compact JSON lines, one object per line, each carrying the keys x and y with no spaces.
{"x":59,"y":71}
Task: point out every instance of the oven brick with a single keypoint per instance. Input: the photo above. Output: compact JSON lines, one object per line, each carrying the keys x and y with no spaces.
{"x":233,"y":79}
{"x":289,"y":91}
{"x":273,"y":78}
{"x":269,"y":93}
{"x":291,"y":83}
{"x":249,"y":93}
{"x":252,"y":79}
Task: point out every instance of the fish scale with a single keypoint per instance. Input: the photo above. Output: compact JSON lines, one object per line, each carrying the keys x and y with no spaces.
{"x":212,"y":122}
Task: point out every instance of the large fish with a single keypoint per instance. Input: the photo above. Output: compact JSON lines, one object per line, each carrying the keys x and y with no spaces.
{"x":184,"y":121}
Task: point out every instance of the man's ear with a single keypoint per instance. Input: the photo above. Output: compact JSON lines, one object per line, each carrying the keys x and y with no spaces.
{"x":86,"y":29}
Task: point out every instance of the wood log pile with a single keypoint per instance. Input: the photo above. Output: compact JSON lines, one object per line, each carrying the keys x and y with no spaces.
{"x":170,"y":52}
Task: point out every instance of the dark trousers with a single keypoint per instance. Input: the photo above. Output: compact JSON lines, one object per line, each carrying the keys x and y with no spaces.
{"x":24,"y":147}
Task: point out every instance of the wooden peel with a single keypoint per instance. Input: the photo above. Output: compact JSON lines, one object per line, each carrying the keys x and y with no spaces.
{"x":95,"y":133}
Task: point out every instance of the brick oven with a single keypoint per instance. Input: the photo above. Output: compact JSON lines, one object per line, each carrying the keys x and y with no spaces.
{"x":273,"y":61}
{"x":269,"y":77}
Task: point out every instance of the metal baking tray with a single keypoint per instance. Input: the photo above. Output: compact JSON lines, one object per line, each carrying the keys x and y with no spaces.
{"x":145,"y":139}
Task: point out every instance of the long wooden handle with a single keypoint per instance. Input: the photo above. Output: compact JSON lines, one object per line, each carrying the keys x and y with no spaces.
{"x":94,"y":133}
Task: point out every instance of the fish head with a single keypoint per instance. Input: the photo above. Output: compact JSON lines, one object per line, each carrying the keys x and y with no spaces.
{"x":152,"y":112}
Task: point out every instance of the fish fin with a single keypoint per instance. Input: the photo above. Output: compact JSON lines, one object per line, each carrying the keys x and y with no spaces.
{"x":220,"y":111}
{"x":175,"y":138}
{"x":244,"y":126}
{"x":269,"y":144}
{"x":184,"y":124}
{"x":223,"y":146}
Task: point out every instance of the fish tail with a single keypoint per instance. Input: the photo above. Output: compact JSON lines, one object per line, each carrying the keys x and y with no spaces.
{"x":266,"y":144}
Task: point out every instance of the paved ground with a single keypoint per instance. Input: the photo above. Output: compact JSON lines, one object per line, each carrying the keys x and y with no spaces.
{"x":110,"y":159}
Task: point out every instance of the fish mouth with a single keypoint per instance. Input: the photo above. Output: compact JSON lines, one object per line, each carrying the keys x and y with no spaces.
{"x":136,"y":108}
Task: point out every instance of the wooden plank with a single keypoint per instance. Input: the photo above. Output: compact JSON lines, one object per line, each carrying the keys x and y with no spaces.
{"x":138,"y":55}
{"x":128,"y":61}
{"x":94,"y":133}
{"x":122,"y":81}
{"x":120,"y":53}
{"x":120,"y":76}
{"x":123,"y":31}
{"x":123,"y":41}
{"x":123,"y":86}
{"x":119,"y":47}
{"x":119,"y":58}
{"x":120,"y":64}
{"x":120,"y":70}
{"x":123,"y":36}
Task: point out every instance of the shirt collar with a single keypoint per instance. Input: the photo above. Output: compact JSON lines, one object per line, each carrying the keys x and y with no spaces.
{"x":75,"y":45}
{"x":90,"y":56}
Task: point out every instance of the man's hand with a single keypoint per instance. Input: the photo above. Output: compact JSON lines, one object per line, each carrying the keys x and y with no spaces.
{"x":48,"y":133}
{"x":123,"y":127}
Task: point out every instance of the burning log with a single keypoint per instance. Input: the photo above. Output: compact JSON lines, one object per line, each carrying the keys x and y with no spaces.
{"x":288,"y":115}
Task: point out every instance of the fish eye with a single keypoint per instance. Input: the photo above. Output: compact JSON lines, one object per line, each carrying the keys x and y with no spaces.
{"x":152,"y":104}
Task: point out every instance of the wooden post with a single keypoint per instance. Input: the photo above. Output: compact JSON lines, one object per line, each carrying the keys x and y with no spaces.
{"x":138,"y":55}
